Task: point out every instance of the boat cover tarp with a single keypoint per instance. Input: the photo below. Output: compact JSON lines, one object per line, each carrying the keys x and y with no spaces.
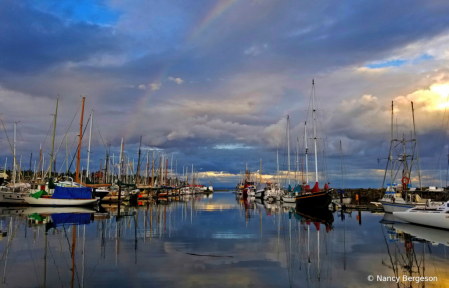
{"x":70,"y":218}
{"x":72,"y":193}
{"x":39,"y":194}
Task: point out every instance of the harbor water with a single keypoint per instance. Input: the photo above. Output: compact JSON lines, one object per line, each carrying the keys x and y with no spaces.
{"x":216,"y":240}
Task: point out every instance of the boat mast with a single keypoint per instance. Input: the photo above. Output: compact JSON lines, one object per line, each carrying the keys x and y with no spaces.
{"x":314,"y":130}
{"x":14,"y":156}
{"x":79,"y":145}
{"x":53,"y":141}
{"x":341,"y":160}
{"x":416,"y":141}
{"x":260,"y":173}
{"x":40,"y":159}
{"x":277,"y":165}
{"x":147,"y":174}
{"x":138,"y":163}
{"x":288,"y":147}
{"x":307,"y":151}
{"x":152,"y":172}
{"x":297,"y":159}
{"x":90,"y":138}
{"x":391,"y":147}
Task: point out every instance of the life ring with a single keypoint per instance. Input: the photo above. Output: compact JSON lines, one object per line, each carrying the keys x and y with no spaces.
{"x":405,"y":181}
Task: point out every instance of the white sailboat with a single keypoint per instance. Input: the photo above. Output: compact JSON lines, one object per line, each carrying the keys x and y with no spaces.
{"x":68,"y":198}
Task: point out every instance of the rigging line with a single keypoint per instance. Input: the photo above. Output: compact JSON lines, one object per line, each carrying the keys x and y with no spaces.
{"x":69,"y":152}
{"x":48,"y":132}
{"x":65,"y":135}
{"x":98,"y":128}
{"x":14,"y":156}
{"x":82,"y":135}
{"x":20,"y":133}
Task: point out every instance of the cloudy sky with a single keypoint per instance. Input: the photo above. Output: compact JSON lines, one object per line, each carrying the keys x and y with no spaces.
{"x":213,"y":81}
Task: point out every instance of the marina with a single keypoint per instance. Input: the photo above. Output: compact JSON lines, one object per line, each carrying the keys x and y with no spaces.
{"x":220,"y":239}
{"x":224,"y":143}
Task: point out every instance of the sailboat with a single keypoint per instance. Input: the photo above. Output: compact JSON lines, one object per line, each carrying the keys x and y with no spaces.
{"x":64,"y":196}
{"x":314,"y":197}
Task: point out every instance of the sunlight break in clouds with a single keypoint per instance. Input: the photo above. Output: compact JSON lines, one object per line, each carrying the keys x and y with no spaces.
{"x":434,"y":98}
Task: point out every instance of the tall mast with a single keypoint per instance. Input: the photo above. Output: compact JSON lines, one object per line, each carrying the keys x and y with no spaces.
{"x":54,"y":131}
{"x":148,"y":167}
{"x":138,"y":163}
{"x":288,"y":148}
{"x":260,"y":172}
{"x":66,"y":155}
{"x":314,"y":130}
{"x":416,"y":141}
{"x":120,"y":162}
{"x":79,"y":145}
{"x":166,"y":171}
{"x":341,"y":160}
{"x":152,"y":172}
{"x":14,"y":156}
{"x":40,"y":158}
{"x":391,"y":147}
{"x":277,"y":165}
{"x":90,"y":138}
{"x":297,"y":158}
{"x":307,"y":151}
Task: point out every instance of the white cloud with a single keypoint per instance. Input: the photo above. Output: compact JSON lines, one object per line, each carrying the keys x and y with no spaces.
{"x":142,"y":87}
{"x":155,"y":86}
{"x":177,"y":80}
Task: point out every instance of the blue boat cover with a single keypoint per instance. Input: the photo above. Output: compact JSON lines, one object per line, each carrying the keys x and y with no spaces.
{"x":70,"y":218}
{"x":72,"y":193}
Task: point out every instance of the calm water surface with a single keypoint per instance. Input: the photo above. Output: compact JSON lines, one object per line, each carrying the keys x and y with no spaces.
{"x":214,"y":241}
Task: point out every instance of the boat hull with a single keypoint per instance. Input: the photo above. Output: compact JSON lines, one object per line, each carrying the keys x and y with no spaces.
{"x":12,"y":198}
{"x":438,"y":220}
{"x":59,"y":202}
{"x":288,"y":199}
{"x":319,"y":199}
{"x":398,"y":207}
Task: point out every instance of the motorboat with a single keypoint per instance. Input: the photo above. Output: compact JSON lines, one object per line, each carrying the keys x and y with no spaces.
{"x":437,"y":217}
{"x":392,"y":200}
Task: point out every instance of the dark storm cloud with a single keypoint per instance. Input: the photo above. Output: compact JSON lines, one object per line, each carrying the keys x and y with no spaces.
{"x":32,"y":41}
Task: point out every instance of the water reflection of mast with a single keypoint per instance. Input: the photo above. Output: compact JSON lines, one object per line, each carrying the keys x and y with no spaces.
{"x":7,"y":248}
{"x":84,"y":253}
{"x":73,"y":253}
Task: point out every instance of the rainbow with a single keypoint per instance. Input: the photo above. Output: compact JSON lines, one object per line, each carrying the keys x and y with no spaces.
{"x":220,"y":8}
